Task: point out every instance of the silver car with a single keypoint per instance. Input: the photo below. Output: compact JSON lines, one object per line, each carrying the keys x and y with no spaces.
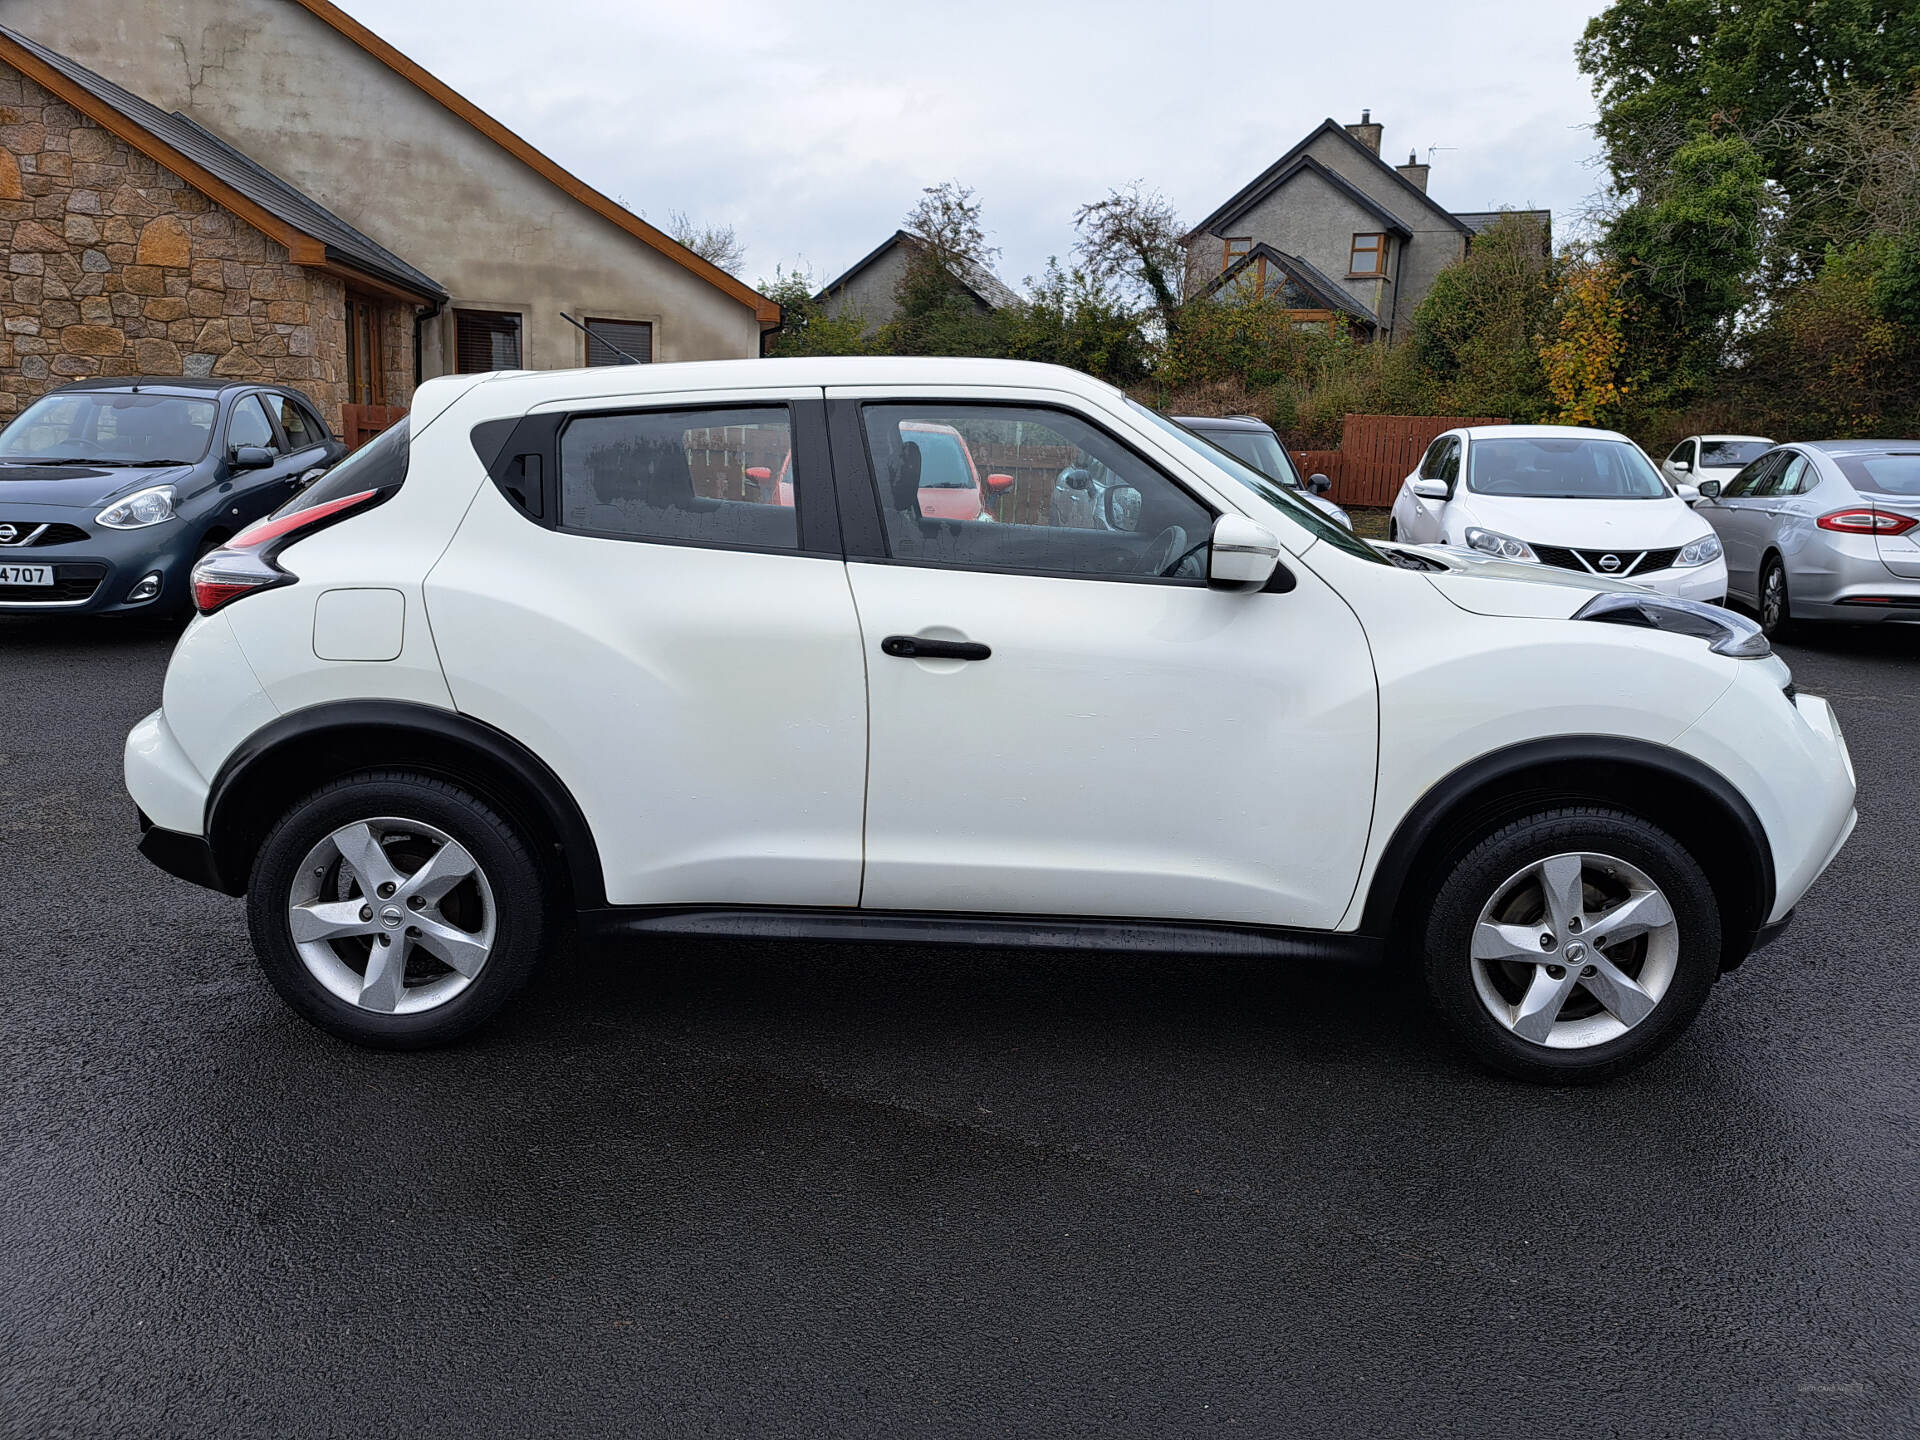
{"x":1823,"y":531}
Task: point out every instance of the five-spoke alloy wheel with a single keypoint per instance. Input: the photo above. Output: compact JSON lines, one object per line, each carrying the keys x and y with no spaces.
{"x":396,"y":909}
{"x":1572,"y":945}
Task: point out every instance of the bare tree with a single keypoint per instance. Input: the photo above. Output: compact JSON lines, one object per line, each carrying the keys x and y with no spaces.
{"x":1133,"y":237}
{"x":948,"y":219}
{"x":717,"y":244}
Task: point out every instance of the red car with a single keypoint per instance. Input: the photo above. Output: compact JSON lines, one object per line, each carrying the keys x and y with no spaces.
{"x":949,"y":480}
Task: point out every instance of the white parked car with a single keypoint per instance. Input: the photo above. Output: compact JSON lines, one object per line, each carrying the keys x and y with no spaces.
{"x":540,"y":650}
{"x":1574,"y":499}
{"x":1700,"y":458}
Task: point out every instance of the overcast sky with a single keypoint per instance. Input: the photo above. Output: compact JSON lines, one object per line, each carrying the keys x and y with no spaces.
{"x":811,"y":127}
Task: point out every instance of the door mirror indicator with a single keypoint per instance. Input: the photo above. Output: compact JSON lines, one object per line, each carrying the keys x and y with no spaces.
{"x":250,"y":457}
{"x":1709,"y":490}
{"x":999,"y":484}
{"x":1319,"y":484}
{"x":1431,"y":489}
{"x":1242,"y":555}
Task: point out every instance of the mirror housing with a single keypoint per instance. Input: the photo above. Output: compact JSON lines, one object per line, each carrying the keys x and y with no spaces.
{"x":1431,"y":489}
{"x":1243,"y":554}
{"x":999,"y":484}
{"x":759,"y":474}
{"x":1685,"y":467}
{"x":1688,"y":493}
{"x":1319,"y":484}
{"x":1708,"y":490}
{"x":250,"y":457}
{"x":1120,"y":507}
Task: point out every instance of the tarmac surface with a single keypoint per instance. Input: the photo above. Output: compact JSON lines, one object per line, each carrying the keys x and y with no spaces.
{"x":810,"y":1190}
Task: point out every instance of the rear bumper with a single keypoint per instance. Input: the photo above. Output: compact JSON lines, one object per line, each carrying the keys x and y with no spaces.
{"x":186,"y":857}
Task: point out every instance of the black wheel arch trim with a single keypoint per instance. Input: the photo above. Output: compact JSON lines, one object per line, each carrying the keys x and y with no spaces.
{"x":580,"y":854}
{"x":1427,"y":821}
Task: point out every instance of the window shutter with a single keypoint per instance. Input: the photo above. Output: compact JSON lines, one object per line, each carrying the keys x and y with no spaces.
{"x":606,"y":339}
{"x":485,"y":340}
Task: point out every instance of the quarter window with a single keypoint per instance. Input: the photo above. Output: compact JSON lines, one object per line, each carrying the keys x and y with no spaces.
{"x":702,"y":477}
{"x":1031,"y":491}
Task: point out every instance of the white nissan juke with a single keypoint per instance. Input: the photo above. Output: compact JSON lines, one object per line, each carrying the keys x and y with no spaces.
{"x":551,"y":649}
{"x":1562,"y":496}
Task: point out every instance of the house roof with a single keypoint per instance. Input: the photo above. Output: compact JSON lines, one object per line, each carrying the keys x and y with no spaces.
{"x":313,"y":234}
{"x":985,"y":286}
{"x":1316,"y":282}
{"x":765,"y":310}
{"x":1287,"y":166}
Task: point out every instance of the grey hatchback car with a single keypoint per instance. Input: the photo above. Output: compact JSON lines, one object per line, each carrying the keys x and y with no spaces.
{"x":1828,"y":530}
{"x":110,"y":489}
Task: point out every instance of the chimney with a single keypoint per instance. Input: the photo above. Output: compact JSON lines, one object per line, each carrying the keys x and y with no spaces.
{"x":1366,"y":132}
{"x":1413,"y":172}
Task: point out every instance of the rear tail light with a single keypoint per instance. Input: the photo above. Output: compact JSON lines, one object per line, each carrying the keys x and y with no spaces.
{"x":1867,"y":522}
{"x":245,"y":564}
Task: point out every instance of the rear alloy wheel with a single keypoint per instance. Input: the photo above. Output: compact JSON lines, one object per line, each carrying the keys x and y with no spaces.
{"x":396,"y":910}
{"x":1776,"y":608}
{"x":1573,"y":946}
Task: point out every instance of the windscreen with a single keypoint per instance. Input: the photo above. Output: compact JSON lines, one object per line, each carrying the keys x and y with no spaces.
{"x":1895,"y":472}
{"x":111,"y":427}
{"x":1259,"y":448}
{"x":1731,"y":454}
{"x":1554,"y":467}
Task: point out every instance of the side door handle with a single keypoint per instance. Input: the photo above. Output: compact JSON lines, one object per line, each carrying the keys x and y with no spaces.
{"x":918,"y":647}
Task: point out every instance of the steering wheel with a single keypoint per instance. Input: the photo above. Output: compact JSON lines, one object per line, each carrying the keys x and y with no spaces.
{"x":1164,"y":551}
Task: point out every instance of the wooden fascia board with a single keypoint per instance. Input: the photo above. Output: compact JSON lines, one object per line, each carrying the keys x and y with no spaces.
{"x":765,"y":310}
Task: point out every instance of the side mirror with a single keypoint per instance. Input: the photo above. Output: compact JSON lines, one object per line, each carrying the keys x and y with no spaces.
{"x":1689,"y":493}
{"x":1709,"y":490}
{"x":1319,"y":484}
{"x":759,"y":474}
{"x":1431,"y":489}
{"x":1243,"y":554}
{"x":250,"y":457}
{"x":1121,"y":506}
{"x":999,"y":484}
{"x":1685,"y":467}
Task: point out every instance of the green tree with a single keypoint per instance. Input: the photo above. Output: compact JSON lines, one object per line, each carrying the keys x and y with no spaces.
{"x":805,"y":326}
{"x":1477,"y":332}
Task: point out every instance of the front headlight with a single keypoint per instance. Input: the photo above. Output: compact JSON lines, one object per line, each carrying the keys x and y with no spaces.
{"x":1725,"y":632}
{"x":1706,"y":548}
{"x":1492,"y":542}
{"x":138,"y":510}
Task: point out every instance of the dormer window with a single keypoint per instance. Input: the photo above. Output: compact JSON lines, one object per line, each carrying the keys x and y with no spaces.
{"x":1369,"y":255}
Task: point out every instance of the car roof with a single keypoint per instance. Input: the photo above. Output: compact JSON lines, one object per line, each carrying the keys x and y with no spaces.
{"x":168,"y":384}
{"x":1536,"y":432}
{"x":1756,"y":439}
{"x":1223,"y":422}
{"x":1859,"y":447}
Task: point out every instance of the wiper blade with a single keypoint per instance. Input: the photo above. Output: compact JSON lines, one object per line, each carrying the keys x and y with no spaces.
{"x":70,"y":460}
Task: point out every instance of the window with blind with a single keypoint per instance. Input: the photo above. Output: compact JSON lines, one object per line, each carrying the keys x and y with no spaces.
{"x":485,"y":340}
{"x":619,"y":342}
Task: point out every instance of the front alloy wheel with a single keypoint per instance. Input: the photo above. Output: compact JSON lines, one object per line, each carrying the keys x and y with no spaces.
{"x":1572,"y":945}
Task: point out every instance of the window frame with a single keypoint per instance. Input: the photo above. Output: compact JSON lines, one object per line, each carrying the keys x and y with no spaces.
{"x":519,"y":318}
{"x":500,"y":443}
{"x":279,"y":444}
{"x":1378,"y":251}
{"x":1770,"y":459}
{"x":862,"y":511}
{"x":1228,"y":254}
{"x":314,"y":422}
{"x":370,"y":356}
{"x":587,"y":338}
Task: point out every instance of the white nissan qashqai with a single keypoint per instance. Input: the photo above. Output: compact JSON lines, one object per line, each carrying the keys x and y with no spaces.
{"x":560,"y":643}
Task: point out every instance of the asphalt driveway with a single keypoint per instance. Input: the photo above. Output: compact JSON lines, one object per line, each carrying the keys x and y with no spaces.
{"x":804,"y":1190}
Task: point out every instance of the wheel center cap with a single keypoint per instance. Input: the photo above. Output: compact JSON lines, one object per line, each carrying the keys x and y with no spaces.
{"x":1576,"y":951}
{"x":391,"y":917}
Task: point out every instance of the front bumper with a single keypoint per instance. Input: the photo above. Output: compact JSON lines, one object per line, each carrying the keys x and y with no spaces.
{"x":94,"y":576}
{"x":1706,"y":582}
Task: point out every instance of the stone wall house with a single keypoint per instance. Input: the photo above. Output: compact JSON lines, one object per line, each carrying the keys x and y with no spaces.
{"x":150,"y":248}
{"x":1348,"y":239}
{"x":389,"y":151}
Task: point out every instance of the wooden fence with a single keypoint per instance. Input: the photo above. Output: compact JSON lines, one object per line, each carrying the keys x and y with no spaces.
{"x":360,"y":423}
{"x":1377,"y":452}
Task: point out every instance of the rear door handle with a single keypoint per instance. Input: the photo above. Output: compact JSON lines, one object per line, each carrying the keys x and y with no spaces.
{"x":918,"y":647}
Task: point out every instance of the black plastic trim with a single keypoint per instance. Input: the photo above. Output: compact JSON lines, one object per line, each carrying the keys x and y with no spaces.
{"x":186,"y":857}
{"x":1430,"y":816}
{"x":1023,"y":932}
{"x":580,"y":853}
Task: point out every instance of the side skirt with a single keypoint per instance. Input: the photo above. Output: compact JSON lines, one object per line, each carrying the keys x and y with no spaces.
{"x":1013,"y":932}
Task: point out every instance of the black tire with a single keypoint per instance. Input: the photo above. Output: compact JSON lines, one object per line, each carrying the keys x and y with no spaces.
{"x":1478,"y":876}
{"x":1776,"y":620}
{"x":521,"y":905}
